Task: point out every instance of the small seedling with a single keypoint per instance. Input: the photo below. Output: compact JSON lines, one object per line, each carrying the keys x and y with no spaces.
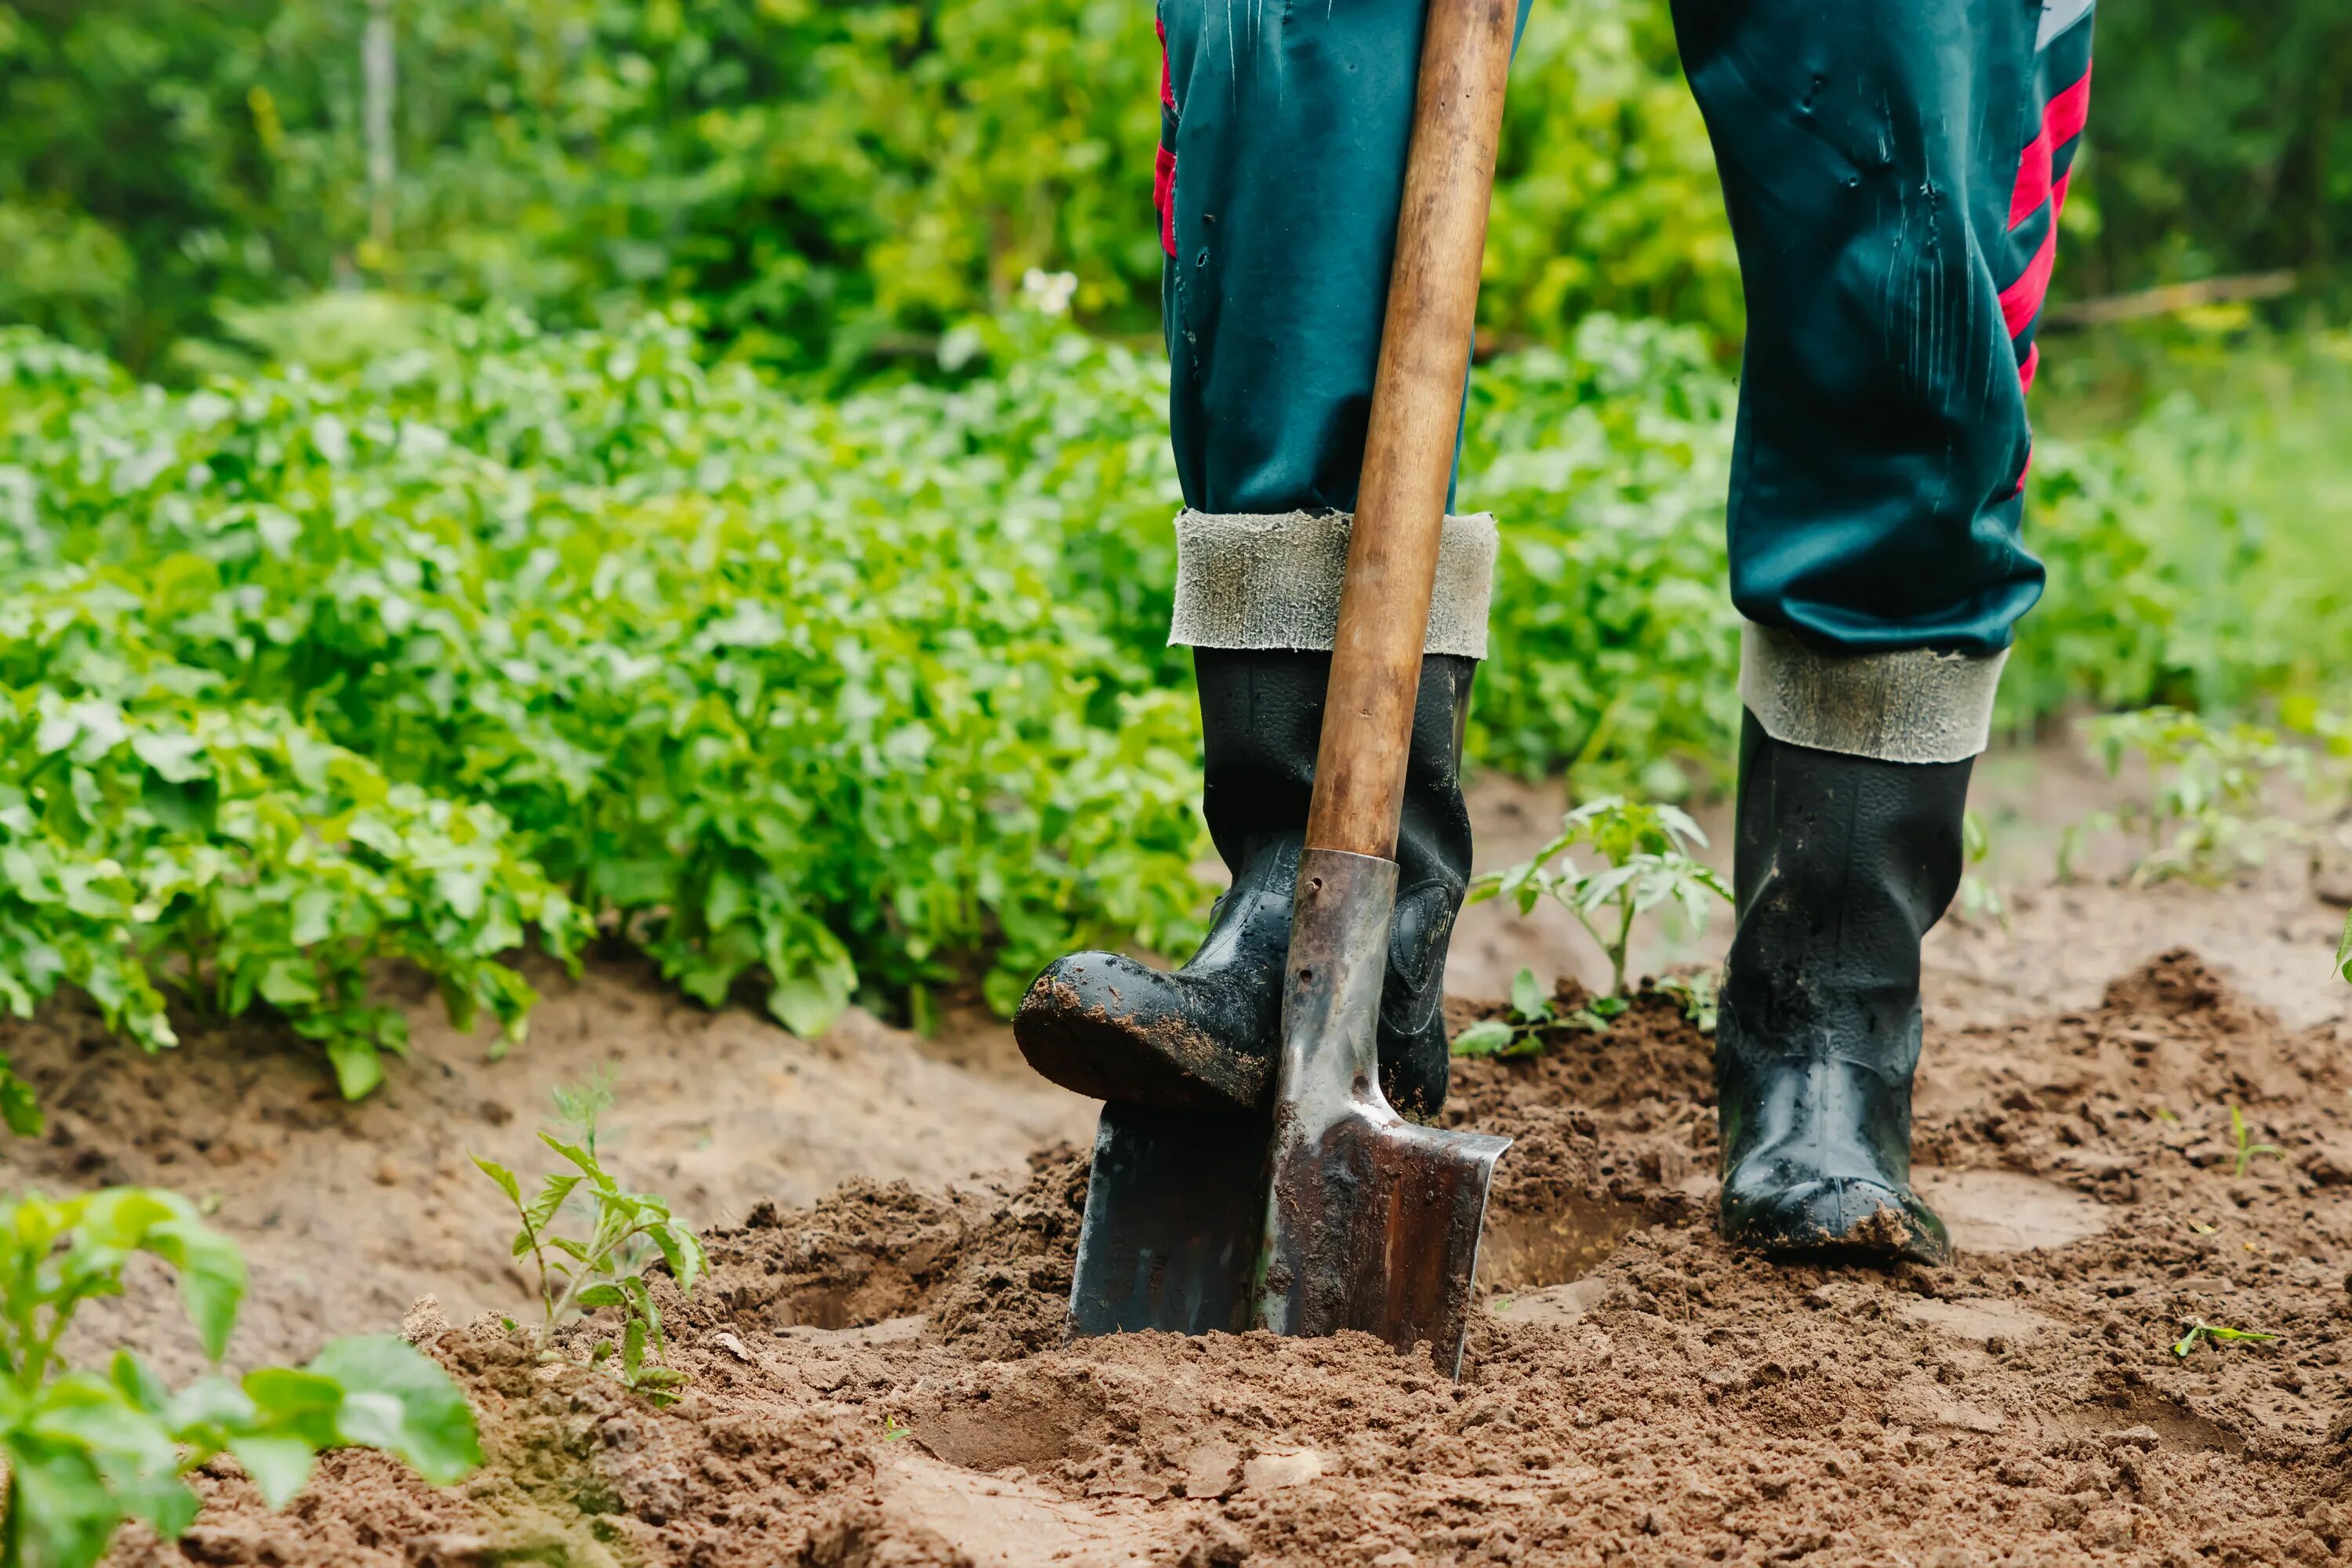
{"x":891,"y":1430}
{"x":1700,"y":996}
{"x":87,"y":1449}
{"x":1980,"y":900}
{"x":1520,"y":1033}
{"x":2198,"y":1328}
{"x":2207,"y":816}
{"x":2247,"y":1149}
{"x":1515,"y":1034}
{"x":2342,"y":962}
{"x":606,"y":1268}
{"x":1645,"y":848}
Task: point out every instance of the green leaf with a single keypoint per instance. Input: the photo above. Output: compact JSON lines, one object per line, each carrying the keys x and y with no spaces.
{"x":62,"y":1510}
{"x":1484,"y":1038}
{"x":2344,"y":951}
{"x":682,"y":1251}
{"x":596,"y":1296}
{"x":397,"y":1400}
{"x":553,"y":1192}
{"x":1527,"y":999}
{"x":503,"y":1177}
{"x":359,"y":1065}
{"x":20,"y":1108}
{"x":279,"y":1465}
{"x":580,"y":1157}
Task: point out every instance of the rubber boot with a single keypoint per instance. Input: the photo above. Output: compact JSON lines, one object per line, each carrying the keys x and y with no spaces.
{"x":1842,"y":864}
{"x":1205,"y":1037}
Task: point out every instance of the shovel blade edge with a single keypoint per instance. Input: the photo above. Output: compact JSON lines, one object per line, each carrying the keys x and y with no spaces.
{"x":1175,"y":1210}
{"x":1375,"y":1225}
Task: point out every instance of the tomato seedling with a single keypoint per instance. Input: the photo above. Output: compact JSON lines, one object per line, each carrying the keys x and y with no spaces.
{"x":607,"y":1267}
{"x":1647,"y":863}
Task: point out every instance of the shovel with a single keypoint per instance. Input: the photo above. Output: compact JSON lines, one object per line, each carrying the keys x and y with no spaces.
{"x":1345,"y":1215}
{"x":1372,"y":1222}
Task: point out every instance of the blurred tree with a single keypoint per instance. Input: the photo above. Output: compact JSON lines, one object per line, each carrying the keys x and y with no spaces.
{"x":831,"y":180}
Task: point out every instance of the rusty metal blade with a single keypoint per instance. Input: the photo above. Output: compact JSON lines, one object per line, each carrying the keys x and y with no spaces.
{"x":1379,"y":1226}
{"x":1371,"y":1222}
{"x":1175,"y":1208}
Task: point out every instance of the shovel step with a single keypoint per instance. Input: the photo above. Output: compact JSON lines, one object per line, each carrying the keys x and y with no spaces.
{"x":1175,"y":1210}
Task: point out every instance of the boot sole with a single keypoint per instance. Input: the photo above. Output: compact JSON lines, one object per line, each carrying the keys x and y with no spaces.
{"x":1104,"y":1056}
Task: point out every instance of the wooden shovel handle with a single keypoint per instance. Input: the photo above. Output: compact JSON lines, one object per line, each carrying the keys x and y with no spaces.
{"x":1416,"y":411}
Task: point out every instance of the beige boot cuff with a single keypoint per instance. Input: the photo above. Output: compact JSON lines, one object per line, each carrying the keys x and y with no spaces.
{"x":1251,"y":580}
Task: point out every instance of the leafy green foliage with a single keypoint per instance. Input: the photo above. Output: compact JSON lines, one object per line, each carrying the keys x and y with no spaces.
{"x":1644,"y":850}
{"x":2215,"y":1334}
{"x":627,"y":1233}
{"x":822,"y":183}
{"x":87,"y":1449}
{"x":1615,"y":645}
{"x":1518,"y":1032}
{"x":1700,"y":994}
{"x":1524,"y":1028}
{"x":2211,"y":810}
{"x":469,"y":634}
{"x":500,"y":634}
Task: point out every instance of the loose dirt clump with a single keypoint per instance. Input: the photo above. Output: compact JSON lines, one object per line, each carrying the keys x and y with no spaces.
{"x":881,"y":1378}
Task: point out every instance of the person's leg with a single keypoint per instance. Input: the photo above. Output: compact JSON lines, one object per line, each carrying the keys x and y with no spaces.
{"x":1283,"y":133}
{"x":1892,"y":174}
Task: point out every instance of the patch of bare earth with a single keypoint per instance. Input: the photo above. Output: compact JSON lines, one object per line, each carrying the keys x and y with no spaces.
{"x":880,"y":1379}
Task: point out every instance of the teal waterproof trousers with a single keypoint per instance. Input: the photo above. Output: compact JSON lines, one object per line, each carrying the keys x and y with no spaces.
{"x":1892,"y":174}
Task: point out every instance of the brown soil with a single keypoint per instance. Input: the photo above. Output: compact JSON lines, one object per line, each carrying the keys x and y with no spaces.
{"x":348,"y":1213}
{"x":881,"y":1378}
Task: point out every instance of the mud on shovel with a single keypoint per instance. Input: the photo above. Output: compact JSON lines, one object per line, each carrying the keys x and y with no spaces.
{"x":1353,"y":1218}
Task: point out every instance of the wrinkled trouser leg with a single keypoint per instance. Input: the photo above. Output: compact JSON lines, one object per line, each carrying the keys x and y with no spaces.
{"x":1282,"y":160}
{"x":1892,"y":174}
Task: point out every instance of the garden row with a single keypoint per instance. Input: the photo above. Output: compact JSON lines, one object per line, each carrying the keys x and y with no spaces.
{"x":495,"y":636}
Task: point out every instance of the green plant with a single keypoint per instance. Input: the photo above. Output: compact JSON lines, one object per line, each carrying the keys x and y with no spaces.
{"x":1979,"y":897}
{"x":1646,"y":862}
{"x":1700,"y":994}
{"x":1515,"y":1033}
{"x":2247,"y":1150}
{"x":87,"y":1449}
{"x":2210,"y":812}
{"x":627,"y":1232}
{"x":2198,"y":1328}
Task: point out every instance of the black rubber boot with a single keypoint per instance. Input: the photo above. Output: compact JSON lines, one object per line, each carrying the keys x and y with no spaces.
{"x":1842,"y":865}
{"x":1205,"y":1037}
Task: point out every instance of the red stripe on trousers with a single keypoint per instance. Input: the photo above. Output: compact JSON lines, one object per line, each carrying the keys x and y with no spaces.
{"x":1163,"y":196}
{"x":1163,"y":166}
{"x":2021,"y":298}
{"x":2063,"y":119}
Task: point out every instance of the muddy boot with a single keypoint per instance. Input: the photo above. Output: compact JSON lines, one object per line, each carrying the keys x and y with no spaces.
{"x":1842,"y":863}
{"x":1205,"y":1036}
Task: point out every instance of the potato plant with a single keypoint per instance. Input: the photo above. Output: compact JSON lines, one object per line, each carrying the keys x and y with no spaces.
{"x":88,"y":1448}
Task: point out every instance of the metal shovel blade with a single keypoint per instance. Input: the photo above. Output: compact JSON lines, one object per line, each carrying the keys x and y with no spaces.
{"x":1371,"y":1222}
{"x":1175,"y":1208}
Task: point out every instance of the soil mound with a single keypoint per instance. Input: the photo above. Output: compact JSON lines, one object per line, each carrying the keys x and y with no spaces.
{"x":881,"y":1379}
